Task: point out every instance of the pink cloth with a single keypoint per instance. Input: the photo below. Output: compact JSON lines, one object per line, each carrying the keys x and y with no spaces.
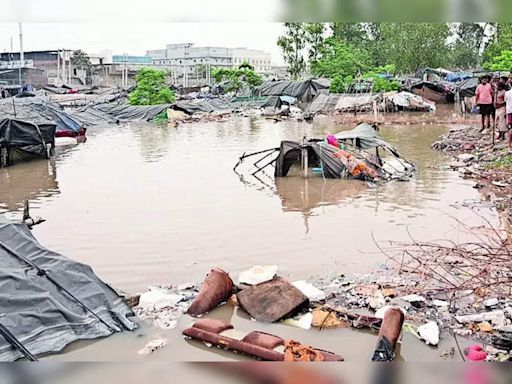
{"x":331,"y":139}
{"x":484,"y":94}
{"x":475,"y":353}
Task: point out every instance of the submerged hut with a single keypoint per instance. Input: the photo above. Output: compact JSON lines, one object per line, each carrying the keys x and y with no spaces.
{"x":356,"y":154}
{"x":22,"y":141}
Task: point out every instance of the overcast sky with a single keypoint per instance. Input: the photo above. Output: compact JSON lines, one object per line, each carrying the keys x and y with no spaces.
{"x":136,"y":38}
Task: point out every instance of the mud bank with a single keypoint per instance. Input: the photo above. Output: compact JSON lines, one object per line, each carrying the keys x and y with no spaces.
{"x":477,"y":156}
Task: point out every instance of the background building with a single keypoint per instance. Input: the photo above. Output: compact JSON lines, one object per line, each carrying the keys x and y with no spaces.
{"x":53,"y":66}
{"x":191,"y":66}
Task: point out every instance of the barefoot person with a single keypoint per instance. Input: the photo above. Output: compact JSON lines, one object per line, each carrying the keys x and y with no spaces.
{"x":508,"y":101}
{"x":484,"y":99}
{"x":501,"y":111}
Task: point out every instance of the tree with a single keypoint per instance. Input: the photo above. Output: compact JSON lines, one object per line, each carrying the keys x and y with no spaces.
{"x":500,"y":40}
{"x":469,"y":41}
{"x":350,"y":33}
{"x":380,"y":83}
{"x":502,"y":62}
{"x":411,"y":46}
{"x":151,"y":88}
{"x":79,"y":59}
{"x":237,"y":78}
{"x":292,"y":43}
{"x":315,"y":38}
{"x":338,"y":58}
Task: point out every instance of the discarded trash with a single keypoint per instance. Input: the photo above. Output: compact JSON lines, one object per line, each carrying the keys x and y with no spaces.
{"x":272,"y":300}
{"x":389,"y":292}
{"x":356,"y":320}
{"x":377,"y":301}
{"x":158,"y":298}
{"x":302,"y":321}
{"x":485,"y":327}
{"x":503,"y":342}
{"x":466,"y":157}
{"x":475,"y":353}
{"x":295,"y":351}
{"x":413,"y":298}
{"x":217,"y":288}
{"x":495,"y":317}
{"x":429,"y":332}
{"x":447,"y":355}
{"x":489,"y":303}
{"x":382,"y":311}
{"x":440,"y":303}
{"x":152,"y":346}
{"x":309,"y":290}
{"x":327,"y":319}
{"x":257,"y":274}
{"x":256,"y":344}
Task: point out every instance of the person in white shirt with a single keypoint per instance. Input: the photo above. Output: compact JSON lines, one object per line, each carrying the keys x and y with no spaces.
{"x":508,"y":102}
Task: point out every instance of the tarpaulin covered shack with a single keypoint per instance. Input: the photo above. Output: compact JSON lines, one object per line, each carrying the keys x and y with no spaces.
{"x":304,"y":91}
{"x":331,"y":160}
{"x":48,"y":301}
{"x":23,"y":140}
{"x":40,"y":111}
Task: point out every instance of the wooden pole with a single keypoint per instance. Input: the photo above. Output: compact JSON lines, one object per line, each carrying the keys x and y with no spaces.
{"x":14,"y":107}
{"x":305,"y":159}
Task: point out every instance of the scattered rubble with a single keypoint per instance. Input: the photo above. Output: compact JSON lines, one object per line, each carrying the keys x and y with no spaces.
{"x":309,"y":290}
{"x":301,"y":321}
{"x":152,"y":346}
{"x":167,"y":309}
{"x":429,"y":332}
{"x":272,"y":300}
{"x":257,"y":274}
{"x":484,"y":159}
{"x":216,"y":288}
{"x":430,"y":312}
{"x":257,"y":344}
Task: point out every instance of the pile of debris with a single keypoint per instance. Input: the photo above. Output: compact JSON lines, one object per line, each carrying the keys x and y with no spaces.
{"x":398,"y":294}
{"x":480,"y":157}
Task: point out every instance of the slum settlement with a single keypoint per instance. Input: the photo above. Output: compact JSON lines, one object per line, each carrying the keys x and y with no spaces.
{"x":443,"y":293}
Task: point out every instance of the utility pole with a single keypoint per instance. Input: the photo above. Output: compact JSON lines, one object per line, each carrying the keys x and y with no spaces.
{"x":22,"y":56}
{"x":63,"y":66}
{"x":10,"y":52}
{"x":58,"y":68}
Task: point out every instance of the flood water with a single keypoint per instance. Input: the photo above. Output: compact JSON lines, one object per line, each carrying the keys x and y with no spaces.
{"x":147,"y":205}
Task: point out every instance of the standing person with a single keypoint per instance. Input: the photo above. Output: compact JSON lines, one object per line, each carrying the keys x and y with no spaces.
{"x":484,"y":99}
{"x":501,"y":110}
{"x":509,"y":80}
{"x":508,"y":101}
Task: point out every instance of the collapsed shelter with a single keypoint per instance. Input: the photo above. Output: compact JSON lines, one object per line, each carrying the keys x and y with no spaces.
{"x":347,"y":154}
{"x":48,"y":301}
{"x":22,"y":141}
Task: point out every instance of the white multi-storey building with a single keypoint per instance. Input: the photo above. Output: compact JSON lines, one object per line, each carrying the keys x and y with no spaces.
{"x":191,"y":66}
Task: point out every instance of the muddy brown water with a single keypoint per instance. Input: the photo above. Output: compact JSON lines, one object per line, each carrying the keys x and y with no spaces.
{"x":147,"y":205}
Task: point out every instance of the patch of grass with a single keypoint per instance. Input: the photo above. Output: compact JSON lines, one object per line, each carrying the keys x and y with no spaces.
{"x":504,"y":162}
{"x":161,"y":118}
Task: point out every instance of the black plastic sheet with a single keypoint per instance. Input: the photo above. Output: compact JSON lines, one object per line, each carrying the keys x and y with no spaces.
{"x":41,"y":315}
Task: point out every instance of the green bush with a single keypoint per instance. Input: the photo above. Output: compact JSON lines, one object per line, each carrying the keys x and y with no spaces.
{"x":237,"y":78}
{"x":151,"y":88}
{"x":502,"y":62}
